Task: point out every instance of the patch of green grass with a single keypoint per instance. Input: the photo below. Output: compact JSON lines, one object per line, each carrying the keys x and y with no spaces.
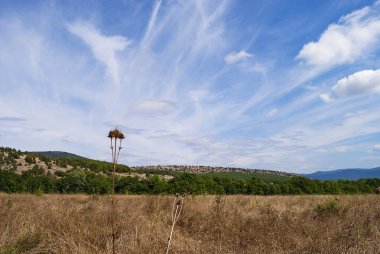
{"x":10,"y":249}
{"x":328,"y":208}
{"x":26,"y":243}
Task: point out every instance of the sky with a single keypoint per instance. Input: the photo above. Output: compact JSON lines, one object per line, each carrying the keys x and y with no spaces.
{"x":288,"y":85}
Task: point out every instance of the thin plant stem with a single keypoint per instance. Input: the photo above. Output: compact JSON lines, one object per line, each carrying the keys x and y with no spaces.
{"x":177,"y":208}
{"x":114,"y":135}
{"x":171,"y":234}
{"x":113,"y":198}
{"x":117,"y":156}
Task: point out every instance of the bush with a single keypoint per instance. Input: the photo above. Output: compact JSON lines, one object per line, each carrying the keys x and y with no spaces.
{"x":30,"y":159}
{"x":328,"y":208}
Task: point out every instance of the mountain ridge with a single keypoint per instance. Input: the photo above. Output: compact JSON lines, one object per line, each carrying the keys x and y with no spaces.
{"x":345,"y":174}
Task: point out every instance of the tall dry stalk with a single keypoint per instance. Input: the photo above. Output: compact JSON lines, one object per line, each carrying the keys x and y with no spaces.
{"x":114,"y":136}
{"x":177,"y":208}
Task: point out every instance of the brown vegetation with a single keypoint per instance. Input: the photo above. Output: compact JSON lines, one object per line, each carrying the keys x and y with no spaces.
{"x":208,"y":224}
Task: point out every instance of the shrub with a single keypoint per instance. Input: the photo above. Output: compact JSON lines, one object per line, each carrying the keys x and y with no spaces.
{"x":29,"y":159}
{"x":328,"y":208}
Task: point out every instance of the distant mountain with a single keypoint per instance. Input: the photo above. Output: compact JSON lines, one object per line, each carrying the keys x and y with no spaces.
{"x":346,"y":174}
{"x":58,"y":154}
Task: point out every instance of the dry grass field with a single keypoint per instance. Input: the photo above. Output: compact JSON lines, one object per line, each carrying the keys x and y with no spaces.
{"x":208,"y":224}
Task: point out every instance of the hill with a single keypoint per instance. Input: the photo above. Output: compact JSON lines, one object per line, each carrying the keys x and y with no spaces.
{"x":53,"y":161}
{"x":218,"y":171}
{"x":37,"y":173}
{"x":345,"y":174}
{"x":58,"y":154}
{"x":58,"y":162}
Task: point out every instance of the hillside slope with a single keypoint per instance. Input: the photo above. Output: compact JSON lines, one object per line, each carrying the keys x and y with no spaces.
{"x":52,"y":161}
{"x":58,"y":154}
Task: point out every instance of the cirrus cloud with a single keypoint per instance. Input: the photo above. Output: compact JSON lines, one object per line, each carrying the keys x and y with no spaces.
{"x":326,"y":97}
{"x":155,"y":107}
{"x":12,"y":119}
{"x":272,"y":112}
{"x":376,"y":147}
{"x":103,"y":47}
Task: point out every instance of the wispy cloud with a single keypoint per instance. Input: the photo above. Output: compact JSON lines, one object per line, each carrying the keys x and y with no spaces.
{"x":273,"y":112}
{"x":12,"y":119}
{"x":234,"y":57}
{"x":151,"y":24}
{"x":376,"y":147}
{"x":155,"y":107}
{"x":326,"y":97}
{"x":103,"y":47}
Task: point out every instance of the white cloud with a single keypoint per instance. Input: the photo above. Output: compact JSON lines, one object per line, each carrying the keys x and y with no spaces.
{"x":344,"y":42}
{"x":155,"y":107}
{"x":243,"y":161}
{"x":376,"y":147}
{"x":273,"y":112}
{"x":342,"y":149}
{"x":234,"y":57}
{"x":103,"y":47}
{"x":326,"y":97}
{"x":367,"y":81}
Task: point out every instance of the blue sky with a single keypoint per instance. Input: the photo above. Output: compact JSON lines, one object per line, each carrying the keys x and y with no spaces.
{"x":288,"y":85}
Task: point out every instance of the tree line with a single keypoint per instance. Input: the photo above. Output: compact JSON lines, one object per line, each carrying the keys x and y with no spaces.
{"x":36,"y":180}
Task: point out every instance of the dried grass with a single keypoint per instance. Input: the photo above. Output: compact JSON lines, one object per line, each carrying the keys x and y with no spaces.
{"x":208,"y":224}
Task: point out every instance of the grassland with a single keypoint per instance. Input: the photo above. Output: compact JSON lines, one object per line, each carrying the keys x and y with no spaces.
{"x":208,"y":224}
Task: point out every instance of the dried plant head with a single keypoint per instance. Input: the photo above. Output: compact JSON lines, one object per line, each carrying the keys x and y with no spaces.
{"x":116,"y":133}
{"x":120,"y":135}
